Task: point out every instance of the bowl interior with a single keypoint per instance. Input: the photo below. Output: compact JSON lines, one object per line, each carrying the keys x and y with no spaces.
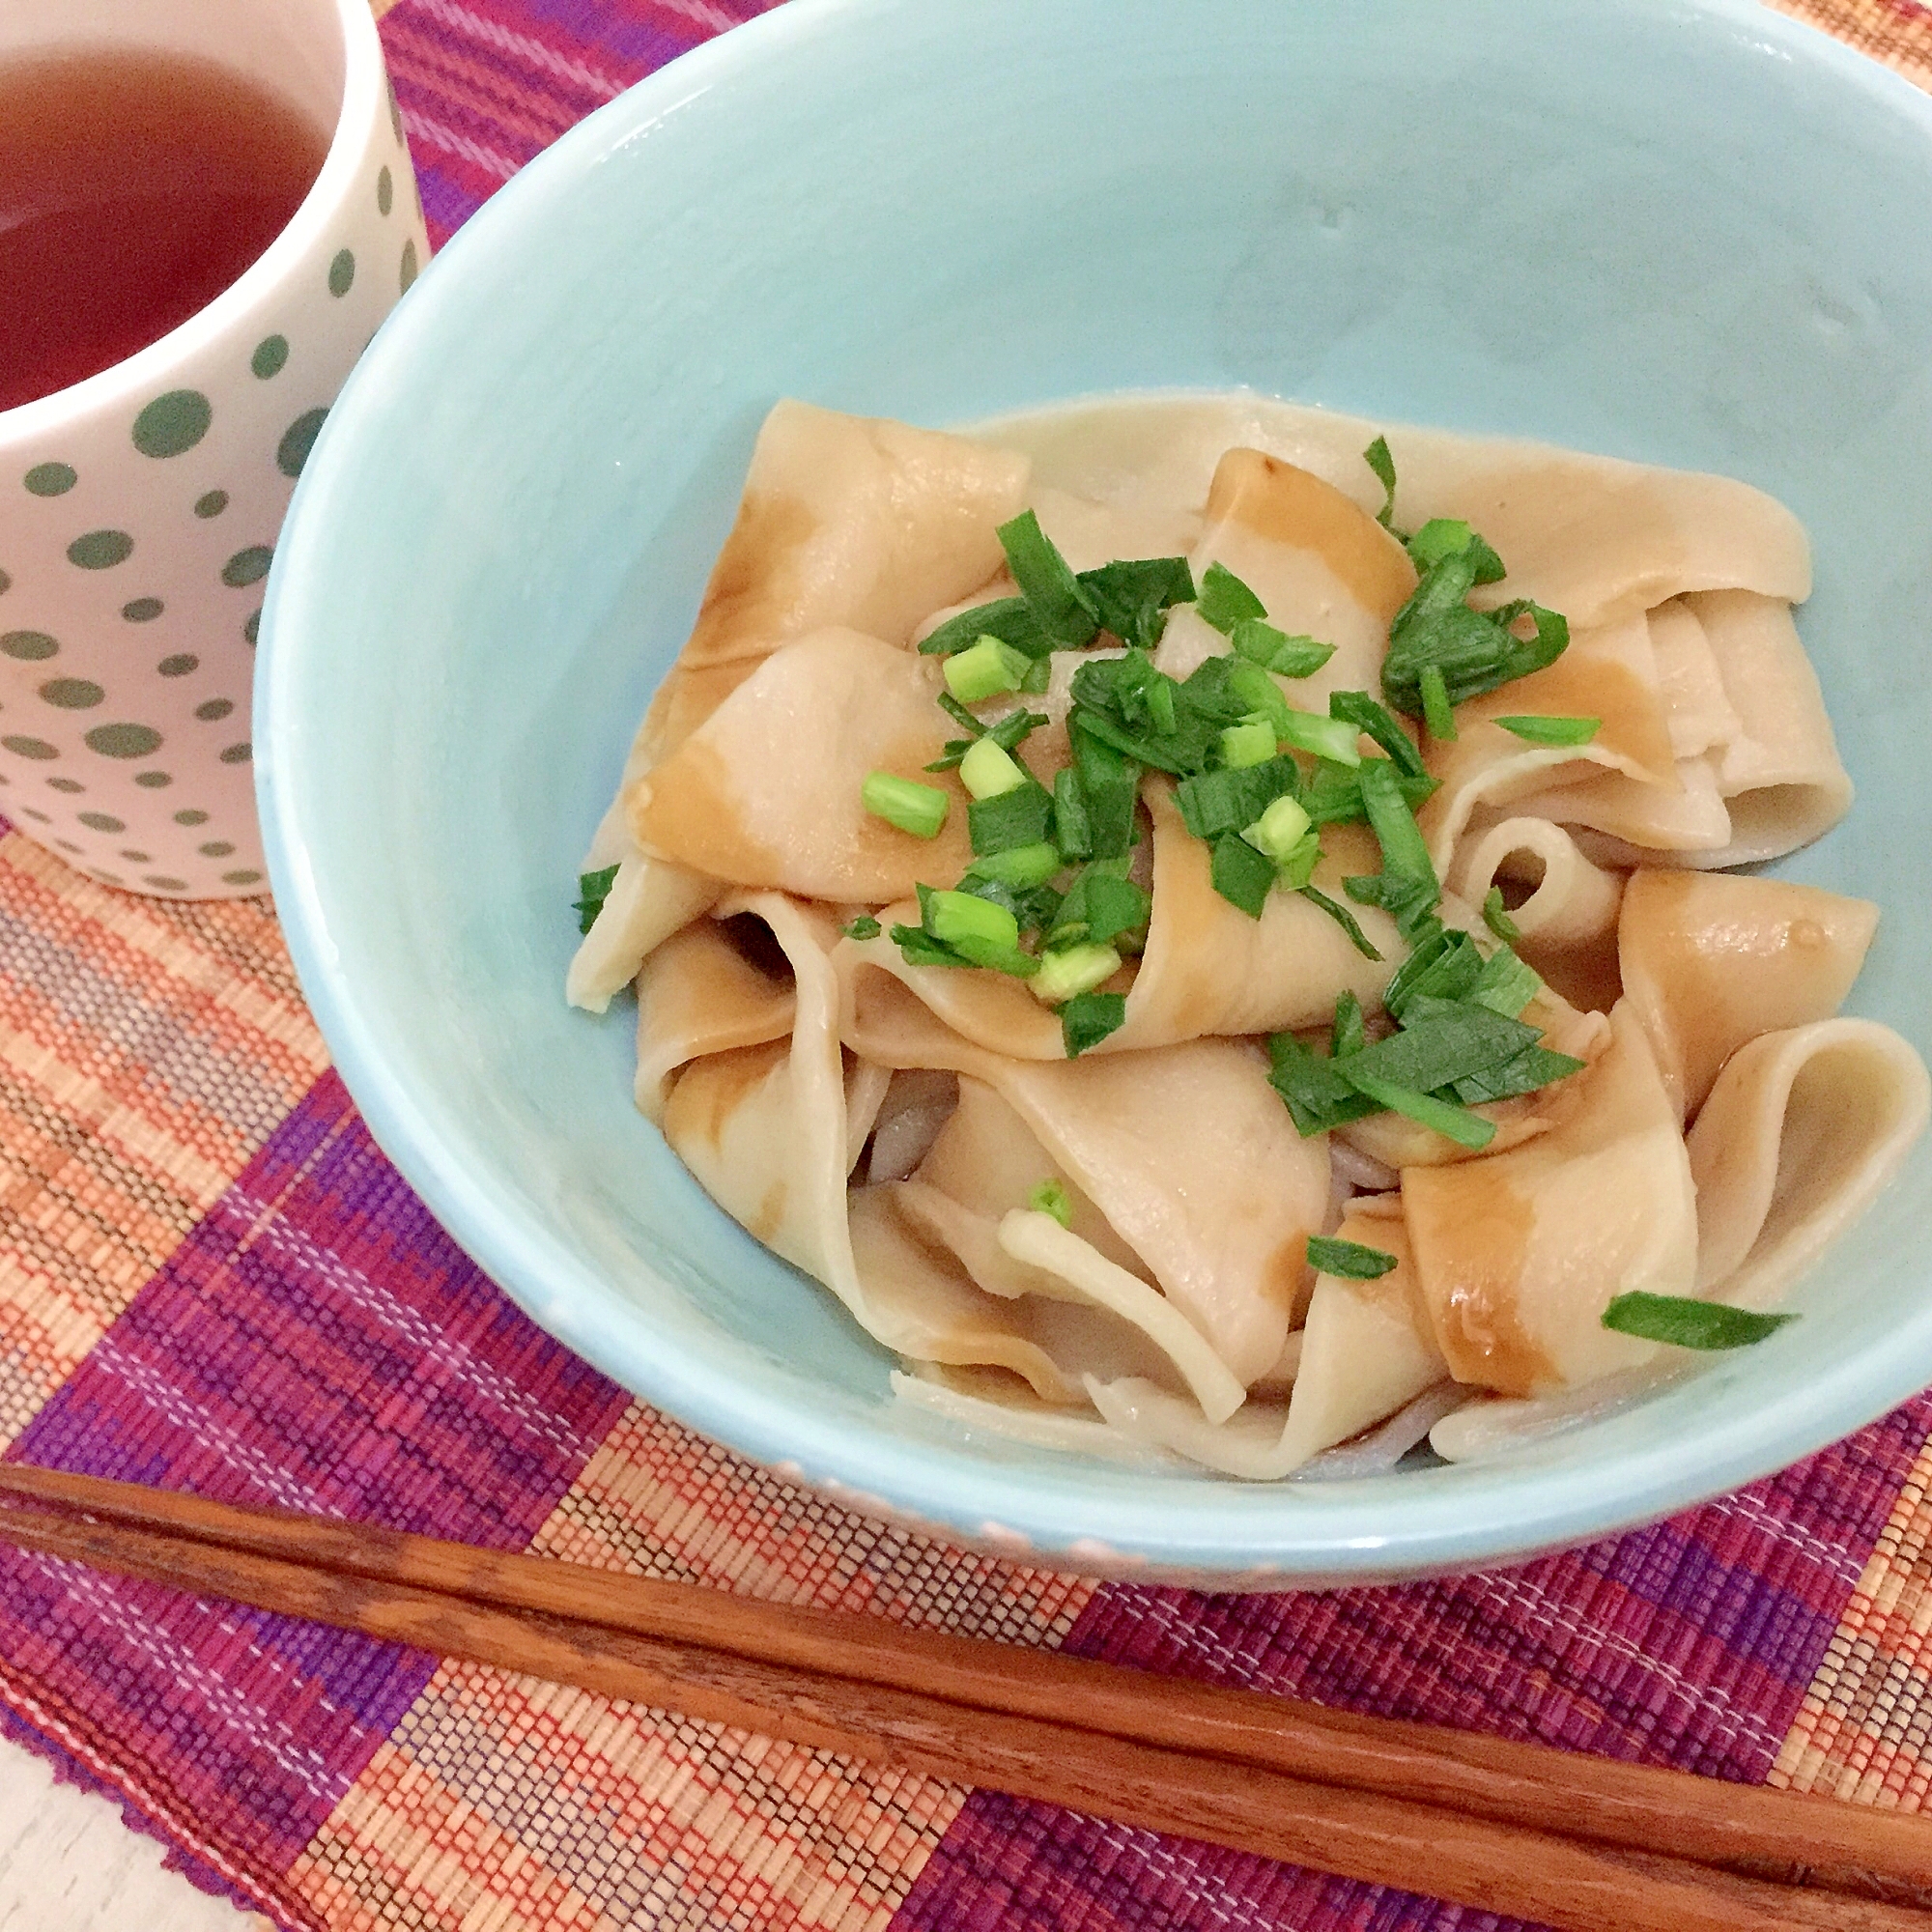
{"x":1691,"y":233}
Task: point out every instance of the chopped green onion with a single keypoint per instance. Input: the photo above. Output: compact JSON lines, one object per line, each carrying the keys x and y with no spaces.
{"x":1086,"y":1019}
{"x":1553,"y":730}
{"x":1241,"y":874}
{"x":1100,"y":906}
{"x":920,"y":949}
{"x":1404,"y":849}
{"x":1456,"y":1124}
{"x":1350,"y":1032}
{"x":1496,"y":918}
{"x":1251,"y":742}
{"x":1224,"y":601}
{"x":1533,"y":1068}
{"x":1330,"y":738}
{"x":987,"y":769}
{"x":1298,"y":868}
{"x":1021,"y":866}
{"x":906,"y":804}
{"x":1343,"y":918}
{"x":1505,"y":985}
{"x":592,"y":890}
{"x":1109,"y":785}
{"x":1688,"y":1324}
{"x":1350,"y":1261}
{"x":1231,"y":799}
{"x":1437,"y":711}
{"x":1442,"y":1041}
{"x":1260,"y":644}
{"x":865,"y":927}
{"x":1063,"y":606}
{"x":1377,"y":456}
{"x":1444,"y":965}
{"x":1474,"y":650}
{"x":1072,"y":970}
{"x":1311,"y":1089}
{"x":1378,"y":723}
{"x":1278,"y":831}
{"x":1008,"y":618}
{"x":1021,"y":816}
{"x":953,"y":918}
{"x":1051,"y":1197}
{"x":1257,"y":694}
{"x":1450,"y":536}
{"x":984,"y":670}
{"x":1072,"y":831}
{"x":1039,"y":675}
{"x":1131,"y":597}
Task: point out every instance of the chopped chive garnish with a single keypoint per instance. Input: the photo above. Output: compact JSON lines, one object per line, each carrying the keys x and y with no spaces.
{"x":1131,"y":598}
{"x":1072,"y":970}
{"x":1378,"y":723}
{"x":1311,"y":1089}
{"x":865,"y":927}
{"x":1072,"y":831}
{"x":1051,"y":1197}
{"x":1039,"y":675}
{"x":1330,"y":738}
{"x":1456,"y":1124}
{"x":1351,"y":1261}
{"x":1257,"y":694}
{"x":1553,"y":730}
{"x":1535,"y":1066}
{"x":1279,"y":831}
{"x":1008,"y":618}
{"x":1377,"y":456}
{"x":985,"y":669}
{"x":1224,"y":601}
{"x":1100,"y":905}
{"x":1252,"y":742}
{"x":1496,"y":918}
{"x":1349,"y":1033}
{"x":1450,"y":536}
{"x":1231,"y":799}
{"x":1063,"y":606}
{"x":1442,"y":1041}
{"x":1437,"y":711}
{"x":1021,"y":866}
{"x":1298,"y":868}
{"x":1088,"y":1018}
{"x":955,"y":918}
{"x":592,"y":890}
{"x":1474,"y":650}
{"x":1020,"y":816}
{"x":1343,"y":918}
{"x":1109,"y":785}
{"x":987,"y":769}
{"x":1688,"y":1324}
{"x":1505,"y":985}
{"x":1241,"y":874}
{"x":1396,"y":831}
{"x":1260,"y":644}
{"x":1444,"y":965}
{"x":906,"y":804}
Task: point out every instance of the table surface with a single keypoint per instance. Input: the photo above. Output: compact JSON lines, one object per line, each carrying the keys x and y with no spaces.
{"x":211,"y":1278}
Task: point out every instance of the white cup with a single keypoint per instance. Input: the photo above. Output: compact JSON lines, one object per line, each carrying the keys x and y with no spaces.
{"x":139,"y":508}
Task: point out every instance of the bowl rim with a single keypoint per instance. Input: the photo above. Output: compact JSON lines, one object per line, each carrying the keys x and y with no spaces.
{"x":1208,"y":1527}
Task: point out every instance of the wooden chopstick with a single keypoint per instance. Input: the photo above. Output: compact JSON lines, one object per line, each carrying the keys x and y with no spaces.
{"x":1496,"y":1826}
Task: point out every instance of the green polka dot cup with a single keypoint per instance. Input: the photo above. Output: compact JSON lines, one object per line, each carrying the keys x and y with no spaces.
{"x":139,"y":508}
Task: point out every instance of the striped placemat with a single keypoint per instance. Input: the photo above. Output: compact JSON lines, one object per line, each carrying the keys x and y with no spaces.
{"x":211,"y":1278}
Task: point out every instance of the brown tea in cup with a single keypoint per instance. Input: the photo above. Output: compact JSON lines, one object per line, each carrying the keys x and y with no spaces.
{"x":134,"y":187}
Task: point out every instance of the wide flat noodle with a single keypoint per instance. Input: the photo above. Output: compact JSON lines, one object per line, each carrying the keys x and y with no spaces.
{"x":1608,"y":673}
{"x":766,"y":793}
{"x":1709,"y":961}
{"x":649,"y":900}
{"x":1518,"y":1253}
{"x":855,"y":522}
{"x":1567,"y":918}
{"x":1321,"y":566}
{"x":1594,"y":537}
{"x":1802,"y":1130}
{"x":698,"y":994}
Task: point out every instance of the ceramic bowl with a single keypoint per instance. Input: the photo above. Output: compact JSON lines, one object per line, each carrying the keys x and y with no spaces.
{"x":1686,"y":231}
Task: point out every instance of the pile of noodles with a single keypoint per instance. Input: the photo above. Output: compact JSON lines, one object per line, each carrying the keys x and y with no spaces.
{"x":882,"y":1125}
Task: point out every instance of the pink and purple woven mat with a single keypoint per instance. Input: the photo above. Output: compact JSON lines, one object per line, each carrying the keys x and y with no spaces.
{"x":210,"y":1279}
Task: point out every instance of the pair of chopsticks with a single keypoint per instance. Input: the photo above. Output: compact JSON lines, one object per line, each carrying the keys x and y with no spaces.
{"x":1582,"y":1844}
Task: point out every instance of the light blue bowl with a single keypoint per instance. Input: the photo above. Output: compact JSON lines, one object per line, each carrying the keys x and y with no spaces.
{"x":1691,"y":233}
